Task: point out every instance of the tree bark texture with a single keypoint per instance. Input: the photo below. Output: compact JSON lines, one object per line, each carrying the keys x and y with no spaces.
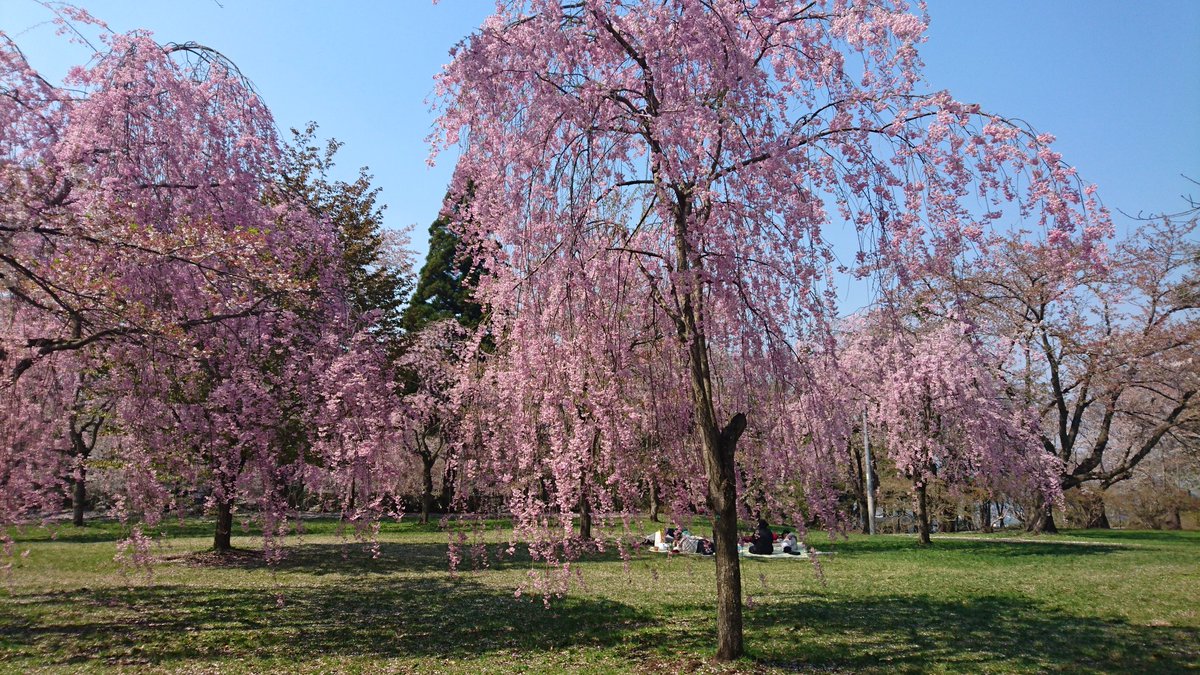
{"x":585,"y":517}
{"x":426,"y":487}
{"x":654,"y":505}
{"x":922,"y":516}
{"x":78,"y":498}
{"x":221,"y":542}
{"x":1043,"y":521}
{"x":723,"y":495}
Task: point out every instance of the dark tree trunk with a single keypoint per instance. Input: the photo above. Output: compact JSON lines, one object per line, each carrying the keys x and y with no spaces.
{"x":985,"y":516}
{"x":922,"y":516}
{"x":1043,"y":521}
{"x":585,"y":517}
{"x":221,"y":542}
{"x":447,"y":498}
{"x":722,"y":493}
{"x":864,"y":516}
{"x":1048,"y":525}
{"x":654,"y":505}
{"x":79,"y":498}
{"x":80,"y":451}
{"x":426,"y":487}
{"x":1098,"y":518}
{"x":717,"y":443}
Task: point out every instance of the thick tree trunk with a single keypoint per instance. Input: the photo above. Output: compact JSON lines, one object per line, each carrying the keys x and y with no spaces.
{"x":1048,"y":525}
{"x":426,"y":488}
{"x":922,"y":516}
{"x":78,"y":499}
{"x":654,"y":505}
{"x":585,"y":518}
{"x":985,"y":516}
{"x":1043,"y":521}
{"x":719,"y":450}
{"x":1098,"y":518}
{"x":221,"y":542}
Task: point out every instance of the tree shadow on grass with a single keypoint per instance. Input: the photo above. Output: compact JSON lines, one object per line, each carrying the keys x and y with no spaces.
{"x":956,"y":545}
{"x":1179,"y":537}
{"x":425,"y":617}
{"x":359,"y":558}
{"x":105,"y":529}
{"x":350,"y":558}
{"x":356,"y":558}
{"x":991,"y":633}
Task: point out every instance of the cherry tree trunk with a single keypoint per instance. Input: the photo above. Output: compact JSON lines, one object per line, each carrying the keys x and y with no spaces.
{"x":1048,"y":525}
{"x":78,"y":499}
{"x":1098,"y":518}
{"x":585,"y":518}
{"x":718,"y":446}
{"x":729,"y":573}
{"x":426,"y":488}
{"x":221,"y":542}
{"x":1043,"y":521}
{"x":654,"y":503}
{"x":922,"y":516}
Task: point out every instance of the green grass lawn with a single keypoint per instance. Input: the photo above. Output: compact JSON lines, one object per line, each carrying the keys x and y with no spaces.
{"x":1081,"y":601}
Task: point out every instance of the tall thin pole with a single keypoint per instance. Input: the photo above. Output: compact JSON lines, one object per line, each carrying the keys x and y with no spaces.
{"x":870,"y":477}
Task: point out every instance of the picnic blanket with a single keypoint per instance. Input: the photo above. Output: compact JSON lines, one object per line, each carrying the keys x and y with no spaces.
{"x":744,"y":552}
{"x":778,"y":554}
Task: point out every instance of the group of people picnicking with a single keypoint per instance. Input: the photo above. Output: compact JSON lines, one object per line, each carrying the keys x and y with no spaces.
{"x":761,"y":542}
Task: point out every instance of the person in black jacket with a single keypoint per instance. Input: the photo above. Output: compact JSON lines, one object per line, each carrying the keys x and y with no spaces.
{"x":764,"y":542}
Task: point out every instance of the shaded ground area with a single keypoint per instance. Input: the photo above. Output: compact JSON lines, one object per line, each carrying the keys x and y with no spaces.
{"x":906,"y":633}
{"x":878,"y":605}
{"x":171,"y":624}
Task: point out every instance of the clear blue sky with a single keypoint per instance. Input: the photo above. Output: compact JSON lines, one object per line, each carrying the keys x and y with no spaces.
{"x":1118,"y":82}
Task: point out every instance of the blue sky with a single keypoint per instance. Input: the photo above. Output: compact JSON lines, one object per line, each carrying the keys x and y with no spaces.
{"x":1117,"y":82}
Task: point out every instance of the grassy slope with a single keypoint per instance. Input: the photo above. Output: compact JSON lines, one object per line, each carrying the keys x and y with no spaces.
{"x":1100,"y":601}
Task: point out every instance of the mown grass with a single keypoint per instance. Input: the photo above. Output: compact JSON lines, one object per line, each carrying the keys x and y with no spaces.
{"x":1081,"y":601}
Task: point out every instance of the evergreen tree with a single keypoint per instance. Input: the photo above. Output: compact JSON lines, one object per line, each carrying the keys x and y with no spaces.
{"x":444,"y":286}
{"x":443,"y":293}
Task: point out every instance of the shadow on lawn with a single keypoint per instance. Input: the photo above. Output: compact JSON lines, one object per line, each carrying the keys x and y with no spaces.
{"x":1175,"y":537}
{"x":354,"y":558}
{"x":960,"y":545}
{"x":106,"y":529}
{"x":420,"y":617}
{"x":990,"y":633}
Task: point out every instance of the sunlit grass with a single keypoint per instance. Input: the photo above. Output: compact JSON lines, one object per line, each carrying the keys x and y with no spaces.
{"x":1080,"y":601}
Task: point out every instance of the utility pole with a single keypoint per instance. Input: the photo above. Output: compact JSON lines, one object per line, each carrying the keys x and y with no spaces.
{"x":870,"y":477}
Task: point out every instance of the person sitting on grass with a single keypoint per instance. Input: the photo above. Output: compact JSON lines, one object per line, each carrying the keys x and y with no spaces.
{"x":764,"y":542}
{"x":792,"y":546}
